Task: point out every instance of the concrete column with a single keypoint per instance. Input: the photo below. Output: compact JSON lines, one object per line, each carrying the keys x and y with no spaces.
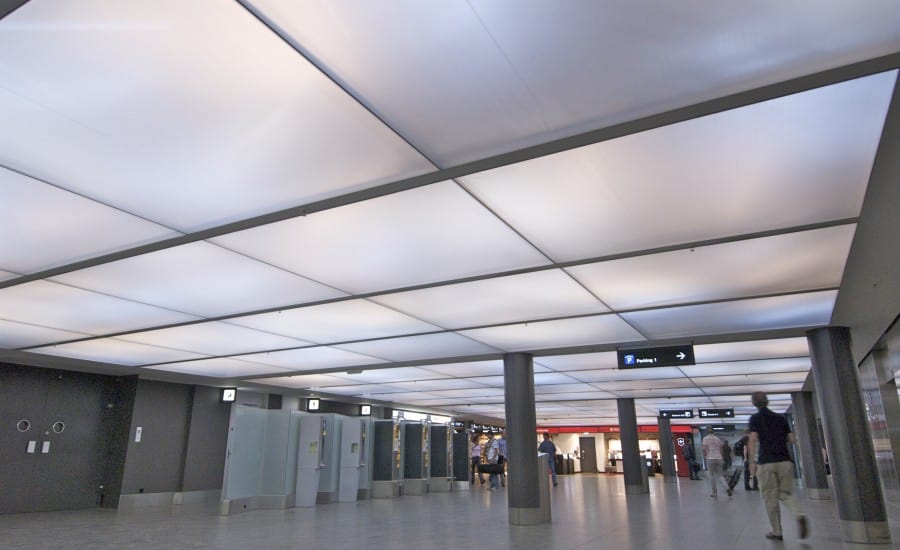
{"x":814,"y":479}
{"x":632,"y":462}
{"x":857,"y":486}
{"x":522,"y":482}
{"x":667,"y":450}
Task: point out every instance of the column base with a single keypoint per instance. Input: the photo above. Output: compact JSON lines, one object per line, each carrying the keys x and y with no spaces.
{"x":670,"y":479}
{"x":818,"y":494}
{"x":636,"y":490}
{"x":866,"y":532}
{"x":529,"y":516}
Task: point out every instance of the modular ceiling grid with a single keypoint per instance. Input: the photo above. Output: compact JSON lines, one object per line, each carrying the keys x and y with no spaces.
{"x":228,"y":190}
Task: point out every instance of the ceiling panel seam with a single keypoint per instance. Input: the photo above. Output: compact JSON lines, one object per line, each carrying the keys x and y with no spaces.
{"x":681,"y":114}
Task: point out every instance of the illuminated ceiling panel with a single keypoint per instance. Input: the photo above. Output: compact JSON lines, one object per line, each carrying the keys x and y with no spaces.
{"x":812,"y":165}
{"x":580,"y":361}
{"x":73,"y":309}
{"x":420,"y":347}
{"x":754,"y":349}
{"x":428,"y":234}
{"x":519,"y":81}
{"x":797,"y":364}
{"x":381,"y":376}
{"x":164,"y":142}
{"x":797,"y":261}
{"x":440,"y":384}
{"x":15,"y":335}
{"x":475,"y":368}
{"x":598,"y":329}
{"x":301,"y":381}
{"x":320,"y":357}
{"x":797,"y":310}
{"x":201,"y":279}
{"x":747,"y":390}
{"x":213,"y":338}
{"x":499,"y":300}
{"x":336,"y":322}
{"x":119,"y":352}
{"x":55,"y":227}
{"x":218,"y":368}
{"x":610,"y":375}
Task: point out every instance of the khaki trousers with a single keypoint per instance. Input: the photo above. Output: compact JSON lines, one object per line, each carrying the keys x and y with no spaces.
{"x":776,"y":484}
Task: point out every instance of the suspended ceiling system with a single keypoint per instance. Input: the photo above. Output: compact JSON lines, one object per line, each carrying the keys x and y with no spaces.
{"x":378,"y":199}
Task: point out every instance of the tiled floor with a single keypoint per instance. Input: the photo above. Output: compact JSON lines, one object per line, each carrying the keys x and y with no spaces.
{"x":589,"y":511}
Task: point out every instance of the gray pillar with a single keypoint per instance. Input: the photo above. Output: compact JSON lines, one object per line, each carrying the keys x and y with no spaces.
{"x":522,"y":484}
{"x":857,"y":487}
{"x":814,"y":479}
{"x":667,"y":450}
{"x":632,"y":462}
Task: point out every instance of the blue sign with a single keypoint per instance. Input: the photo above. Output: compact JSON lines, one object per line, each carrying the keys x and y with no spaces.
{"x":629,"y":359}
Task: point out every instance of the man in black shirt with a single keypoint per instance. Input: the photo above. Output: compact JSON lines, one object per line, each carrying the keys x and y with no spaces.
{"x":770,"y":434}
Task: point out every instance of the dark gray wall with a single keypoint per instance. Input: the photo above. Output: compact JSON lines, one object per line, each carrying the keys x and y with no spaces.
{"x":204,"y":463}
{"x":869,"y":299}
{"x":156,"y":464}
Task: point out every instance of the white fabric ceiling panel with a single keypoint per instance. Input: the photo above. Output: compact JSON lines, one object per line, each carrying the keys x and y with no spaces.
{"x":751,"y":379}
{"x":576,"y":395}
{"x":546,"y":378}
{"x":474,"y":368}
{"x":199,"y":278}
{"x":492,"y":381}
{"x":219,"y":367}
{"x":799,"y":159}
{"x":660,"y":384}
{"x":319,"y":357}
{"x":608,"y":375}
{"x":544,"y":389}
{"x":754,"y":349}
{"x":500,"y":300}
{"x":796,"y":310}
{"x":471,"y":393}
{"x":796,"y":261}
{"x":429,"y":234}
{"x":234,"y":122}
{"x":598,"y":329}
{"x":428,"y":346}
{"x":668,"y":392}
{"x":302,"y":381}
{"x":54,"y":227}
{"x":20,"y":335}
{"x":213,"y":338}
{"x":399,"y":397}
{"x":4,"y":275}
{"x":336,"y":322}
{"x":119,"y":352}
{"x":427,"y":401}
{"x":741,"y":390}
{"x":439,"y":384}
{"x":762,"y":366}
{"x":68,"y":308}
{"x":522,"y":80}
{"x":381,"y":376}
{"x":364,"y":390}
{"x":580,"y":361}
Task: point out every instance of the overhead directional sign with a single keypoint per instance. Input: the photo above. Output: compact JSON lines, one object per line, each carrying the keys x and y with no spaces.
{"x":716,"y":413}
{"x":723,"y":428}
{"x":656,"y":357}
{"x":679,"y":413}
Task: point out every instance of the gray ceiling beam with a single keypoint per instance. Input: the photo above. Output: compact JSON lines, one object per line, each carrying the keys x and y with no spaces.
{"x":674,"y":116}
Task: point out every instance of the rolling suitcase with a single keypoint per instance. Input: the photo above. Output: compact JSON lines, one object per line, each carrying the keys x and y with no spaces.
{"x":733,"y":477}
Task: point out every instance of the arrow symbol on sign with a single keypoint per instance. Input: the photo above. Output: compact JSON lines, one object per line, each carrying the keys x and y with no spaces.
{"x":680,"y":355}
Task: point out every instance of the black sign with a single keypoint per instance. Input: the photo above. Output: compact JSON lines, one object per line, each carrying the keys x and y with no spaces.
{"x":681,"y":413}
{"x":656,"y":357}
{"x":716,"y":413}
{"x":723,"y":427}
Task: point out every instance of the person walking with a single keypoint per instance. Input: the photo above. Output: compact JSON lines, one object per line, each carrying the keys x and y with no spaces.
{"x":503,"y":456}
{"x":712,"y":452}
{"x":770,"y":435}
{"x":476,"y":459}
{"x":740,"y":449}
{"x":691,"y":458}
{"x":548,"y":447}
{"x":493,"y":457}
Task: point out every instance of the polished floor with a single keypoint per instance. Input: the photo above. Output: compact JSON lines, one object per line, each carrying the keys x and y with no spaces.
{"x":589,"y":511}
